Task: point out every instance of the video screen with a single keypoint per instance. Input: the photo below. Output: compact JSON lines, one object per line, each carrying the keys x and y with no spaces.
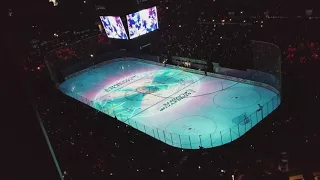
{"x":113,"y":27}
{"x":142,"y":22}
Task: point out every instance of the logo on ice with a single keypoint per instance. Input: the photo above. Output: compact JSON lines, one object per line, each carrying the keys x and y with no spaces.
{"x":177,"y":99}
{"x":121,"y":83}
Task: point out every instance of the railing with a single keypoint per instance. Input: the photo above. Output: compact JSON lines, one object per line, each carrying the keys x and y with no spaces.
{"x":244,"y":122}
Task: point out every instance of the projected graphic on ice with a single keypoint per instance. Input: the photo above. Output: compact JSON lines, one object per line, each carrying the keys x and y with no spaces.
{"x":132,"y":94}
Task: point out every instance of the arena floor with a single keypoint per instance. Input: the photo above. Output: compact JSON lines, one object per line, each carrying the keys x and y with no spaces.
{"x":179,"y":108}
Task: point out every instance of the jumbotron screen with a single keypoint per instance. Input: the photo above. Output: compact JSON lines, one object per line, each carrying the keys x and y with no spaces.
{"x":113,"y":27}
{"x":142,"y":22}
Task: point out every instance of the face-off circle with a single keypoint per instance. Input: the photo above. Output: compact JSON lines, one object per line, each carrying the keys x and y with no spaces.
{"x":237,"y":98}
{"x":140,"y":93}
{"x":147,"y":89}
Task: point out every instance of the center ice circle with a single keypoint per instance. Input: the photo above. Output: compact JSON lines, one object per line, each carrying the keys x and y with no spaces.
{"x":237,"y":98}
{"x":192,"y":125}
{"x":147,"y":89}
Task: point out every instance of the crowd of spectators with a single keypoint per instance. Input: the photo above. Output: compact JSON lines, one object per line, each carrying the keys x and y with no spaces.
{"x":91,"y":145}
{"x":41,"y":45}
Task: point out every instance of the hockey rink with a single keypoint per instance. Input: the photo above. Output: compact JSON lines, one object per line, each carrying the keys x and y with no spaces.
{"x":179,"y":108}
